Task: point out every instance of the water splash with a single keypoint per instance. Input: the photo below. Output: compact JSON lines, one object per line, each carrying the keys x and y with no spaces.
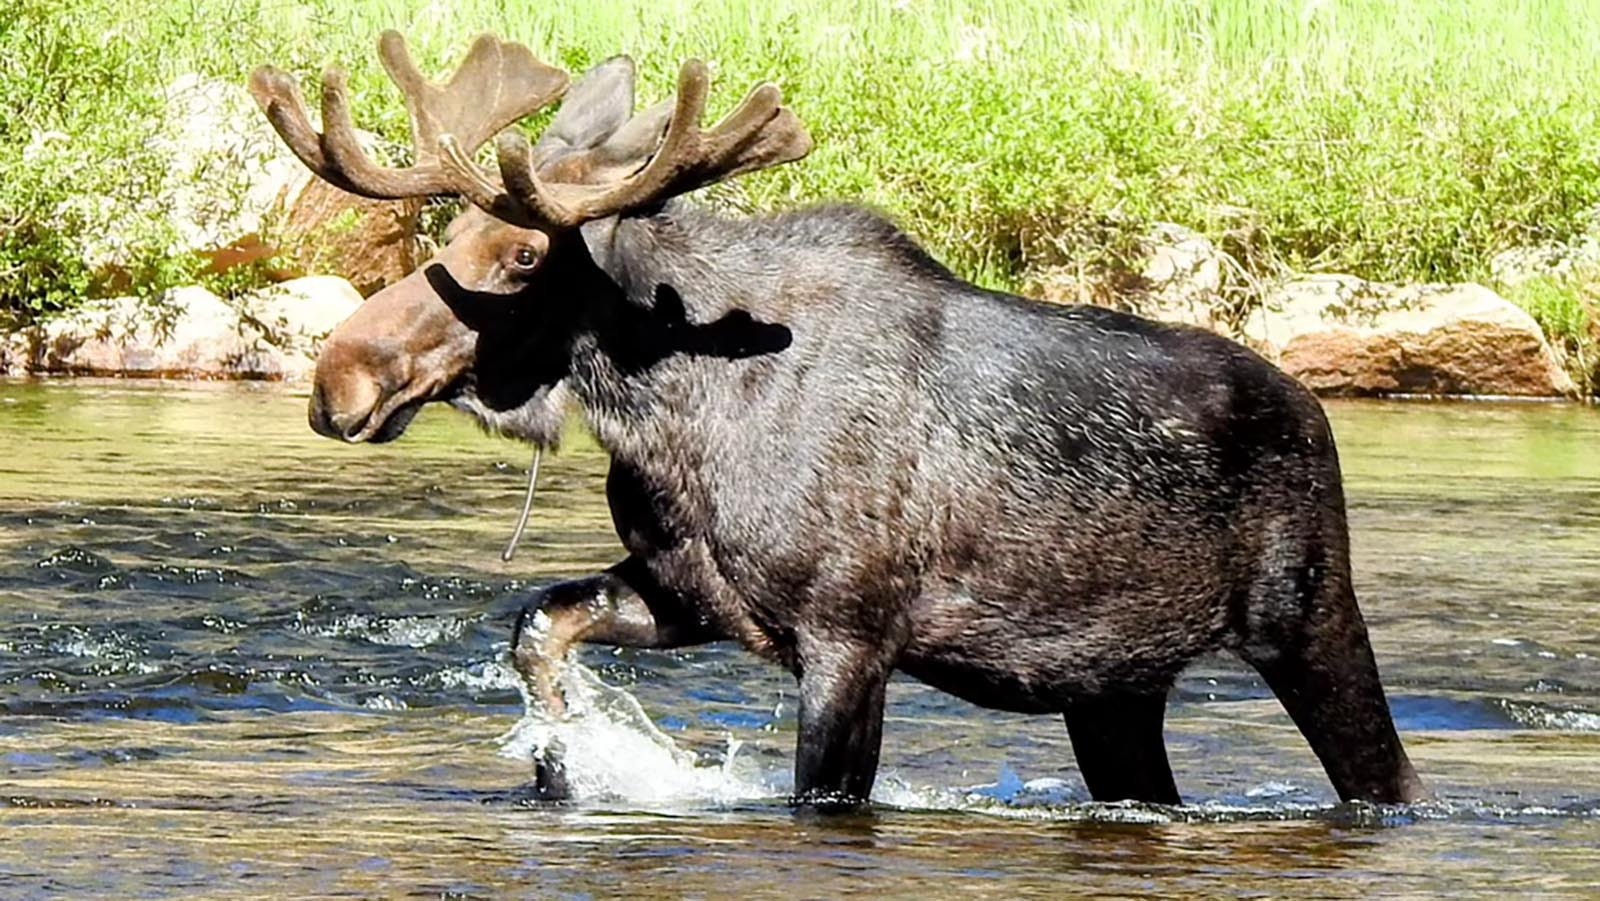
{"x":119,"y":652}
{"x":394,"y":631}
{"x":613,"y":751}
{"x":1544,"y":716}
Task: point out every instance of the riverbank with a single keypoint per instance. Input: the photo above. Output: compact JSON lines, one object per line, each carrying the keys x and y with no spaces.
{"x":1400,"y":144}
{"x":1339,"y":335}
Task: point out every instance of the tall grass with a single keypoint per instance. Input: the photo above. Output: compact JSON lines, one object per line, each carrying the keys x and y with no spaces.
{"x":1397,"y":140}
{"x":1567,"y":307}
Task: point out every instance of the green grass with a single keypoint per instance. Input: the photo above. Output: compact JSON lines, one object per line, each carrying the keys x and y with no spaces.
{"x":1567,"y":308}
{"x":1394,"y":140}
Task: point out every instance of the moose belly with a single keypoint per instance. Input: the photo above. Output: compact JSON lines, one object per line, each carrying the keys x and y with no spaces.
{"x":1039,"y":658}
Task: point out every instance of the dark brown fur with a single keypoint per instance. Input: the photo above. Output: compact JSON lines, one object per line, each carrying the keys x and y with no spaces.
{"x":831,"y":450}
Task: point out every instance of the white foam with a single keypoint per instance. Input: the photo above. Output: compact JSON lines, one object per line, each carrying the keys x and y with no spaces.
{"x":612,"y":751}
{"x":114,"y":647}
{"x":384,"y":702}
{"x":1537,"y":716}
{"x":401,"y":632}
{"x":485,"y":677}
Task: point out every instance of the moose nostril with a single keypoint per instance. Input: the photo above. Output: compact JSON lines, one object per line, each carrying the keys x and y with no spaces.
{"x":343,"y":427}
{"x":353,"y":425}
{"x":334,"y":425}
{"x":317,"y":416}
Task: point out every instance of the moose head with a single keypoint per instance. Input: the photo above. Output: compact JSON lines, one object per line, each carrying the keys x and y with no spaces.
{"x":487,"y":324}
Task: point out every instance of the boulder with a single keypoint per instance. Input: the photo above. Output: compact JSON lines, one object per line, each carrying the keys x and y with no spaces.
{"x":236,"y":195}
{"x":286,"y":324}
{"x":14,"y":353}
{"x":1180,"y":280}
{"x":229,"y":169}
{"x":1578,"y":259}
{"x":192,"y":333}
{"x":226,"y":172}
{"x":1345,"y":336}
{"x":1338,"y":334}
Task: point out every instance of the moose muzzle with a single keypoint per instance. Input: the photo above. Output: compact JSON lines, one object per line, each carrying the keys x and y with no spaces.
{"x":402,"y":348}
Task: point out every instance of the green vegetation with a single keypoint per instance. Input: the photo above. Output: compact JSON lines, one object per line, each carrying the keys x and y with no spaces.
{"x":1568,"y":310}
{"x":1395,"y":140}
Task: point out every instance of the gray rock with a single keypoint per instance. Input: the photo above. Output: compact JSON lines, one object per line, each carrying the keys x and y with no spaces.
{"x":288,"y":323}
{"x":1519,"y":265}
{"x":192,"y":333}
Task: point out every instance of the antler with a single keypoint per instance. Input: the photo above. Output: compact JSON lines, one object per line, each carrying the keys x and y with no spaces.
{"x":759,"y":134}
{"x":497,"y":84}
{"x":501,"y":82}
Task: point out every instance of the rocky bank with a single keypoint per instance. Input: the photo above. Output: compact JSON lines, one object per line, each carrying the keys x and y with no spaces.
{"x":1338,"y":334}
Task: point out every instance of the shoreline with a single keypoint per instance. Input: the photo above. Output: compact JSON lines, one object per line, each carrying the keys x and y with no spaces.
{"x":302,"y":387}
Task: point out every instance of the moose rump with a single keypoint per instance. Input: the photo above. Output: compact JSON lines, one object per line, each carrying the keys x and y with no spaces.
{"x":828,"y":448}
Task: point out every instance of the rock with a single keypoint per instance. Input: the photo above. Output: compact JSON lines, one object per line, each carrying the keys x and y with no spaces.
{"x":1345,"y":336}
{"x":236,"y":195}
{"x":229,"y":169}
{"x":1579,"y":259}
{"x":226,"y":172}
{"x":192,"y":333}
{"x":14,"y":353}
{"x":371,"y":243}
{"x":288,"y":322}
{"x":1180,"y":280}
{"x":1337,"y":334}
{"x":1063,"y":285}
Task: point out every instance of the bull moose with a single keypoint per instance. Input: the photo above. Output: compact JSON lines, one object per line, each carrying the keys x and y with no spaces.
{"x":828,"y":448}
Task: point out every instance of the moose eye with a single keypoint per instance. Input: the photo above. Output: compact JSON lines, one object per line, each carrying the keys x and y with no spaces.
{"x":524,"y":258}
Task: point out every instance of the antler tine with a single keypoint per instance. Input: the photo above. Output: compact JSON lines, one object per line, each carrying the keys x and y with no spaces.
{"x":498,"y":83}
{"x":474,"y":184}
{"x":279,"y":97}
{"x":758,"y":134}
{"x":515,"y":155}
{"x":342,"y":148}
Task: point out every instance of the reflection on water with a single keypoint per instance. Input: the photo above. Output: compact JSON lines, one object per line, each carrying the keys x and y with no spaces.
{"x":240,"y":661}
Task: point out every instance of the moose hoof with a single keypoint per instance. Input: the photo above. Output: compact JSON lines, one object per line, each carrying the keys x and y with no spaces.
{"x":550,"y":775}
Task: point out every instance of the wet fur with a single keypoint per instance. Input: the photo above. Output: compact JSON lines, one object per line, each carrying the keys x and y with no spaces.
{"x":1035,"y":508}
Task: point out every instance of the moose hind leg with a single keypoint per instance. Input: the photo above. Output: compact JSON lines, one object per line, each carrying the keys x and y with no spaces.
{"x":1121,"y":754}
{"x":1326,"y":678}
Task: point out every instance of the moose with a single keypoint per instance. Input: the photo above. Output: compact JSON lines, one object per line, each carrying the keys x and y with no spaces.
{"x":826,"y":447}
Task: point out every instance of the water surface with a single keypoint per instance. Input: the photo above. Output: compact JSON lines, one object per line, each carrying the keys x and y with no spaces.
{"x":237,"y":660}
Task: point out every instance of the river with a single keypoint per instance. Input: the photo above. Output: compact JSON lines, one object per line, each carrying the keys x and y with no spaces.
{"x":237,"y":660}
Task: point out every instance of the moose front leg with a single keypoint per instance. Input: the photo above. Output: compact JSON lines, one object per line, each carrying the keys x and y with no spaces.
{"x":622,"y":606}
{"x":842,"y":686}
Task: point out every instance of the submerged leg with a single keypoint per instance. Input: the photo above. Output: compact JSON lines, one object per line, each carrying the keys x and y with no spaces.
{"x":621,"y":606}
{"x":1121,"y":754}
{"x":841,"y":723}
{"x":1331,"y":690}
{"x":1309,"y":642}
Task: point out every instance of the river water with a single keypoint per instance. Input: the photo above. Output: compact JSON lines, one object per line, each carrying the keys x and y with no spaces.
{"x":237,"y":660}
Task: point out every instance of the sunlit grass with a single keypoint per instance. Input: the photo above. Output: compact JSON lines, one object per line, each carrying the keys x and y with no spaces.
{"x":1394,"y":140}
{"x":1567,"y":308}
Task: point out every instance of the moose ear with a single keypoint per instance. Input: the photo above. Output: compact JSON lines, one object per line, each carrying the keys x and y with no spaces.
{"x":595,"y":107}
{"x":622,"y":154}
